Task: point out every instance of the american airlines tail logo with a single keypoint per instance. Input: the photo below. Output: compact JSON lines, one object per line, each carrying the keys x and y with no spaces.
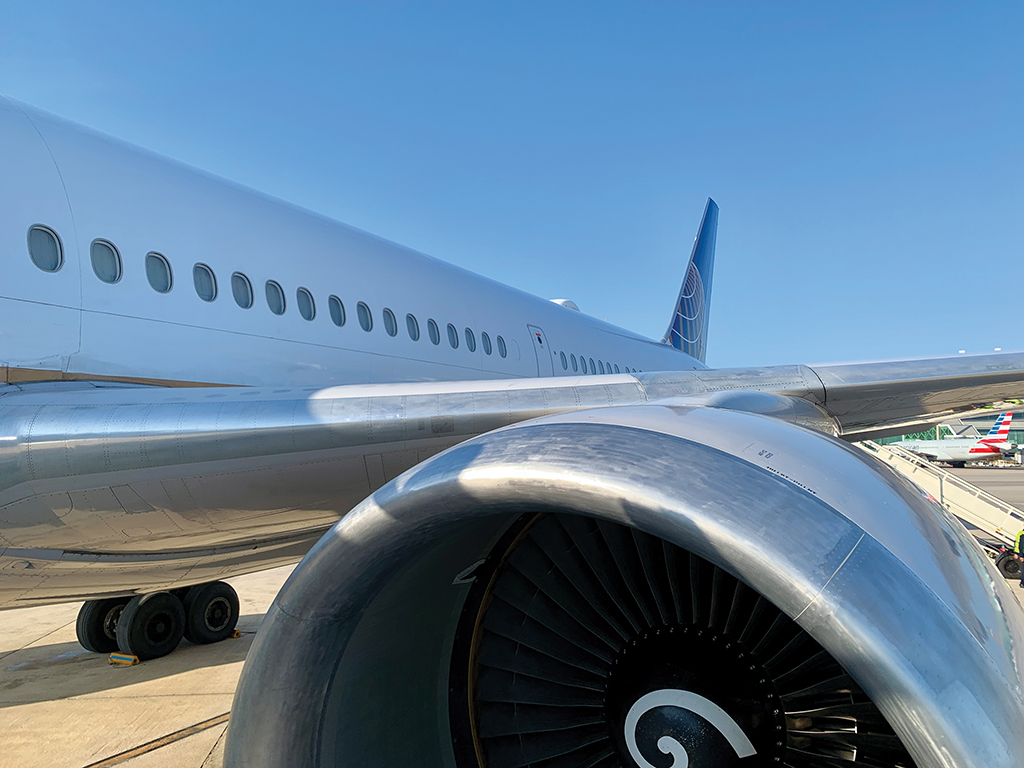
{"x":1000,"y":433}
{"x":672,"y":697}
{"x":1000,"y":430}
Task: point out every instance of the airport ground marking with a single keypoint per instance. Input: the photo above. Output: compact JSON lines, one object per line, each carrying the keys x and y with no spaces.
{"x":163,"y":741}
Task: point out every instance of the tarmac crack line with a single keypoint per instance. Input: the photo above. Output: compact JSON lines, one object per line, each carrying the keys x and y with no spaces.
{"x":163,"y":741}
{"x":213,"y":748}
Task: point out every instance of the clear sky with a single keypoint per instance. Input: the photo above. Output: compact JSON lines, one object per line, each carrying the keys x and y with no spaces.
{"x":868,"y":157}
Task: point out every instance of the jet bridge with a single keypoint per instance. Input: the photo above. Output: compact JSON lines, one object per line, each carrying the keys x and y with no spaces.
{"x":990,"y":519}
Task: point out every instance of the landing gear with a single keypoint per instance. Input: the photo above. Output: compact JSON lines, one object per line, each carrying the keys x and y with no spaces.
{"x":151,"y":625}
{"x":96,"y":626}
{"x":211,"y":612}
{"x":1008,"y":565}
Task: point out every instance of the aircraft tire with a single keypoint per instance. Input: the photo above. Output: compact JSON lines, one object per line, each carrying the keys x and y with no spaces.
{"x":211,"y":612}
{"x":151,"y":625}
{"x":96,"y":625}
{"x":1009,"y":566}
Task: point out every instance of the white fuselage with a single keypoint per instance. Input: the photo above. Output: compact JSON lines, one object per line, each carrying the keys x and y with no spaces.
{"x":957,"y":449}
{"x":70,"y":324}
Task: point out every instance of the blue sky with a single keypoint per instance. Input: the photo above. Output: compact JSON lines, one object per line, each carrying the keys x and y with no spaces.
{"x":868,"y":158}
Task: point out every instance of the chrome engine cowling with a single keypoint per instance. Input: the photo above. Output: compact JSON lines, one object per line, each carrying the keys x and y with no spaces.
{"x":640,"y":586}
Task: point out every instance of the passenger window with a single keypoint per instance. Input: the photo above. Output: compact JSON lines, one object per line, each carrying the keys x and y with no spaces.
{"x":616,"y":368}
{"x":44,"y":248}
{"x":365,"y":317}
{"x":485,"y":340}
{"x":337,"y":310}
{"x":307,"y":307}
{"x":583,"y":363}
{"x":241,"y":290}
{"x":502,"y":349}
{"x":413,"y":327}
{"x":106,"y":261}
{"x":593,"y":369}
{"x":453,"y":336}
{"x":205,"y":282}
{"x":275,"y":298}
{"x":470,"y":340}
{"x":390,"y":324}
{"x":158,"y":272}
{"x":600,"y":367}
{"x":572,"y":360}
{"x":565,"y":363}
{"x":432,"y":330}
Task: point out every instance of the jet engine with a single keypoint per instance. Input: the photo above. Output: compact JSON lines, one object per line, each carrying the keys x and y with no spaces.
{"x":641,"y":586}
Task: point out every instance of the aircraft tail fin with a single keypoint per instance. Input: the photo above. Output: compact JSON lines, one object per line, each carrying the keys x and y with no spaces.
{"x":1000,"y":431}
{"x":688,"y":329}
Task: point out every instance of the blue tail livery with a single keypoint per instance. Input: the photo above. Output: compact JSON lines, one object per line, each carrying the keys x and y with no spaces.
{"x":688,"y":330}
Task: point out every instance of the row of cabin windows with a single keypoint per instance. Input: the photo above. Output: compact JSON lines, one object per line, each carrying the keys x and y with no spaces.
{"x":569,"y":361}
{"x":47,"y":253}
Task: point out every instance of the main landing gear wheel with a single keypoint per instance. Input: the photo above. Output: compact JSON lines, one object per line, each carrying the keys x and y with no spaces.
{"x":96,"y":626}
{"x":1009,"y":566}
{"x":211,"y":612}
{"x":151,"y":625}
{"x":585,"y":643}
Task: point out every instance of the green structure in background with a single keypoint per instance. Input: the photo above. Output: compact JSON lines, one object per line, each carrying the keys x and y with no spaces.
{"x":928,"y":434}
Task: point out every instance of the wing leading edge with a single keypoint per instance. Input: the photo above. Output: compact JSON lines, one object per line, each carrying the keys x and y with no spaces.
{"x":169,"y":486}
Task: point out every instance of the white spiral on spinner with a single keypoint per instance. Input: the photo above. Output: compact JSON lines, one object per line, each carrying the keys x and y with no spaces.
{"x":672,"y":697}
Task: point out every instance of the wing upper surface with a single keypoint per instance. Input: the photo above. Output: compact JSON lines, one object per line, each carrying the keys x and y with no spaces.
{"x":875,"y":399}
{"x":136,"y":473}
{"x":164,"y":425}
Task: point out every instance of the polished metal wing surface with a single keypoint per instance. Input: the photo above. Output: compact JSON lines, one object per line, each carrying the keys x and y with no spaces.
{"x":112,"y":490}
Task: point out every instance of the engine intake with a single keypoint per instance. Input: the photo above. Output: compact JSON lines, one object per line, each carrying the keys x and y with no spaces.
{"x":641,"y":586}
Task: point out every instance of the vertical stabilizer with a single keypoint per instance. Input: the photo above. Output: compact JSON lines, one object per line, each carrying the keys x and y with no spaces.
{"x":1000,"y":432}
{"x":688,"y":330}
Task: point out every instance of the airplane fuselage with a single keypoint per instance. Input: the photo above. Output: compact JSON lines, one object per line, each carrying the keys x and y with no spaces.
{"x":426,"y":320}
{"x":957,"y":449}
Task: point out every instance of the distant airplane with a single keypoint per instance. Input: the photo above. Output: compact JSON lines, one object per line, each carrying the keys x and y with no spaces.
{"x":960,"y":451}
{"x":534,"y":538}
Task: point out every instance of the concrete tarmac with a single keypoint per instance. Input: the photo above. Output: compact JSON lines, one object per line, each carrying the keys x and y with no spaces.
{"x":63,"y":707}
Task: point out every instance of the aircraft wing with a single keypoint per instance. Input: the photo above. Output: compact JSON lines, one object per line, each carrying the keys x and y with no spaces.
{"x":235,"y":479}
{"x":880,"y":399}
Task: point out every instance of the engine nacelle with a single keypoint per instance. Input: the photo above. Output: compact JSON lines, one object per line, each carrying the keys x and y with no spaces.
{"x":648,"y":585}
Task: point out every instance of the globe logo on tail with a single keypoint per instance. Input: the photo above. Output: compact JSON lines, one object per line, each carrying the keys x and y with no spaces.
{"x":689,"y":320}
